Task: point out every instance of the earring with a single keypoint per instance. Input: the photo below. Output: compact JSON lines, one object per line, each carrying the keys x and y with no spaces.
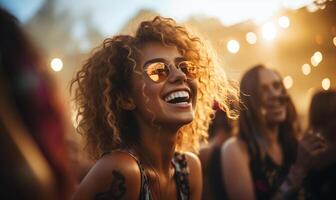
{"x":130,"y":106}
{"x":127,"y":104}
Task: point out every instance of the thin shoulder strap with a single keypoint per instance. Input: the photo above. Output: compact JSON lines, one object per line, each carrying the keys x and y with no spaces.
{"x":181,"y":176}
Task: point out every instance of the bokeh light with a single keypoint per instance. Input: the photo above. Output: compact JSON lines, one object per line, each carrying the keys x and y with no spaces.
{"x":56,"y":64}
{"x":233,"y":46}
{"x":269,"y":31}
{"x":313,"y":61}
{"x":318,"y":56}
{"x":306,"y":69}
{"x":326,"y":83}
{"x":284,"y":22}
{"x":312,"y":7}
{"x":334,"y":41}
{"x":251,"y":38}
{"x":288,"y":82}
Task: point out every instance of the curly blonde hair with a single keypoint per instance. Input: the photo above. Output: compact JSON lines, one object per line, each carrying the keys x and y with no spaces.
{"x":104,"y":81}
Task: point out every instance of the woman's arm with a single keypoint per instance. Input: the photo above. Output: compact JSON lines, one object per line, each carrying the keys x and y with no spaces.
{"x":195,"y":176}
{"x":114,"y":176}
{"x":235,"y":169}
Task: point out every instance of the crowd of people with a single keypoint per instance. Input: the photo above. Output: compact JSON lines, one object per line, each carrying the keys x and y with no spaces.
{"x":161,"y":121}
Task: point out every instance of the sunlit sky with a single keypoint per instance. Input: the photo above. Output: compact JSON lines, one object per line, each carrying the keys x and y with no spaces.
{"x":110,"y":15}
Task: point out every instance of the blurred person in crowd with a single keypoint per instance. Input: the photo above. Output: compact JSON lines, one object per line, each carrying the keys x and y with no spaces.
{"x":321,"y":180}
{"x":144,"y":101}
{"x":220,"y":129}
{"x":265,"y":160}
{"x":34,"y":164}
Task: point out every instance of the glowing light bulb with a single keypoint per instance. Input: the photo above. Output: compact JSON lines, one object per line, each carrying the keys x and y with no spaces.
{"x":313,"y":62}
{"x":233,"y":46}
{"x":269,"y":31}
{"x":56,"y":64}
{"x":251,"y":38}
{"x":306,"y":69}
{"x":318,"y":56}
{"x":326,"y":83}
{"x":288,"y":82}
{"x":284,"y":22}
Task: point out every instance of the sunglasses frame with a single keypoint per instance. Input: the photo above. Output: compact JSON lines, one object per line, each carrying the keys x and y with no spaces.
{"x":167,"y":68}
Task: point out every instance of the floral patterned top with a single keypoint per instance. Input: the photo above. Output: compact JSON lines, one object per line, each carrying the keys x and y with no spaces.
{"x":181,"y":173}
{"x":267,"y":176}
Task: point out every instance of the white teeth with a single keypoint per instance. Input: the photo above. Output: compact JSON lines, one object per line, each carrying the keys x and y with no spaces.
{"x":182,"y":103}
{"x":177,"y":94}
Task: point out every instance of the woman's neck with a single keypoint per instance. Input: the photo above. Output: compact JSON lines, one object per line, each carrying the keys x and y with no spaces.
{"x":157,"y":147}
{"x":271,"y":135}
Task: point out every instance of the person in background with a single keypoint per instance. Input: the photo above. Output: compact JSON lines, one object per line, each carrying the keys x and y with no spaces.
{"x":265,"y":160}
{"x":34,"y":162}
{"x":220,"y":129}
{"x":321,"y":180}
{"x":144,"y":101}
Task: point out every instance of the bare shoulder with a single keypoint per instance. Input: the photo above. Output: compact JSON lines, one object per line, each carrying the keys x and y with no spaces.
{"x":114,"y":176}
{"x":204,"y":154}
{"x":194,"y":165}
{"x":192,"y":159}
{"x":234,"y":147}
{"x":235,"y":163}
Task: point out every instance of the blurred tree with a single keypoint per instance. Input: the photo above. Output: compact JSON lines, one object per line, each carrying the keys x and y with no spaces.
{"x":133,"y":23}
{"x":51,"y":29}
{"x":93,"y":35}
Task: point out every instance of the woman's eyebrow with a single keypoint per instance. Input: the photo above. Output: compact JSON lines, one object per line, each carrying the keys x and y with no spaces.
{"x":179,"y":59}
{"x":154,"y":60}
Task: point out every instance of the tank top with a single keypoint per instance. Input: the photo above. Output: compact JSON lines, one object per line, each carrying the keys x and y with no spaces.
{"x":267,"y":176}
{"x":181,"y":175}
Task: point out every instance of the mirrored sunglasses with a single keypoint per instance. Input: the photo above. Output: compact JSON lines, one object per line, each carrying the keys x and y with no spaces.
{"x":159,"y":71}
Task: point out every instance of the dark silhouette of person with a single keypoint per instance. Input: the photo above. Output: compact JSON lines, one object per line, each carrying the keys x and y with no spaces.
{"x":321,"y":180}
{"x":34,"y":160}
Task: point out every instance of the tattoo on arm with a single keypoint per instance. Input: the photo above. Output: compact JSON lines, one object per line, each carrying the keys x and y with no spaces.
{"x":117,"y":188}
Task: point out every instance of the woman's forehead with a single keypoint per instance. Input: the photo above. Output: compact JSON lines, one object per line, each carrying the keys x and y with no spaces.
{"x":152,"y":50}
{"x":267,"y":76}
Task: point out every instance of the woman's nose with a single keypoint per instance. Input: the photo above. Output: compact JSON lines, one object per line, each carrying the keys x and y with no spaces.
{"x":176,"y":75}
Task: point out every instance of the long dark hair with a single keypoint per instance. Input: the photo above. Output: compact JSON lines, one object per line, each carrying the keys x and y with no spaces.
{"x":252,"y":125}
{"x":322,"y":111}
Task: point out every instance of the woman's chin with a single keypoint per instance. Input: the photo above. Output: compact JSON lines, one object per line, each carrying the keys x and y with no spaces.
{"x":179,"y":121}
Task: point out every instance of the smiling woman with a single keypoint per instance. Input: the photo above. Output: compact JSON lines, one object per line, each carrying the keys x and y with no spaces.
{"x":144,"y":101}
{"x":266,"y":155}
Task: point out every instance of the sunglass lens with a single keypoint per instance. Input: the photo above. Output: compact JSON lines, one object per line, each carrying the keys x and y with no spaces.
{"x":157,"y":71}
{"x":188,"y":68}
